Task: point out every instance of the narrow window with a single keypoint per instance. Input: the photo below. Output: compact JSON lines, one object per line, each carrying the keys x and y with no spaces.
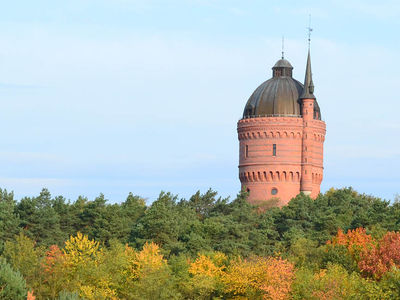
{"x":274,"y":149}
{"x":247,"y":151}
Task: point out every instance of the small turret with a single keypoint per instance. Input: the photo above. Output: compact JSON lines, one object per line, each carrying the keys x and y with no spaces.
{"x":308,"y":91}
{"x":308,"y":102}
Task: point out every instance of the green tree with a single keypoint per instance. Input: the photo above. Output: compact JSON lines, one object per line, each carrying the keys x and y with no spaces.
{"x":238,"y":228}
{"x":24,"y":257}
{"x":9,"y":220}
{"x":12,"y":284}
{"x":390,"y":283}
{"x":165,"y":223}
{"x":40,"y":220}
{"x":156,"y":285}
{"x":103,"y":221}
{"x":64,"y":295}
{"x":68,"y":217}
{"x":204,"y":204}
{"x":304,"y":252}
{"x":296,"y":219}
{"x":334,"y":283}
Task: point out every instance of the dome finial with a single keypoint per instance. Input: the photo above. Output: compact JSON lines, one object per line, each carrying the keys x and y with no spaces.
{"x":283,"y":47}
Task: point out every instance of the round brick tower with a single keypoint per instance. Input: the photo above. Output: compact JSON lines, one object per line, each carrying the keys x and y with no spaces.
{"x":281,"y":139}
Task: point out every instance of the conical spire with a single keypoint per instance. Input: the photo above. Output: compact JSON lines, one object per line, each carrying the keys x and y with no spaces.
{"x":308,"y":91}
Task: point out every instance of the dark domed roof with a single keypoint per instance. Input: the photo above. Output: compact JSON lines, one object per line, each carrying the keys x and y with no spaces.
{"x":276,"y":96}
{"x":279,"y":95}
{"x":283,"y":63}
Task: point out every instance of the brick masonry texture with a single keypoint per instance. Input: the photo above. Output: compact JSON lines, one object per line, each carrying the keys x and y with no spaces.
{"x":297,"y":165}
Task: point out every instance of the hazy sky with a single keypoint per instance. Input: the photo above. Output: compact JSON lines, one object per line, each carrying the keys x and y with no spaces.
{"x":119,"y":96}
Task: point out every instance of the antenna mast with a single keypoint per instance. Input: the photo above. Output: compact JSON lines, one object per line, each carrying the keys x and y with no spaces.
{"x":309,"y":30}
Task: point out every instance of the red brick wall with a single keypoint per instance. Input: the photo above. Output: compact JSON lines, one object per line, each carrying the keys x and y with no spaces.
{"x":260,"y":171}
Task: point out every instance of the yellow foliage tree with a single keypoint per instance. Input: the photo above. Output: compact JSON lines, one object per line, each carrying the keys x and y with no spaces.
{"x":259,"y":277}
{"x":84,"y":263}
{"x":99,"y":291}
{"x":147,"y":275}
{"x":204,"y":265}
{"x":206,"y":272}
{"x":80,"y":249}
{"x":149,"y":259}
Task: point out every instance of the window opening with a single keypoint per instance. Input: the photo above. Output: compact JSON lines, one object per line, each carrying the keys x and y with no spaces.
{"x":274,"y":150}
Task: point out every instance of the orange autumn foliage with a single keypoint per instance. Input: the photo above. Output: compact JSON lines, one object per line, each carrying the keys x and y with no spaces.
{"x":30,"y":296}
{"x":389,"y":248}
{"x":53,"y":256}
{"x":54,"y":270}
{"x":280,"y":279}
{"x":377,"y":261}
{"x":374,"y":258}
{"x":356,"y":241}
{"x":271,"y":277}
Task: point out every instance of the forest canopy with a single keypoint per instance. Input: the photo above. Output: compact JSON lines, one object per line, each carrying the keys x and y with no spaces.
{"x":204,"y":247}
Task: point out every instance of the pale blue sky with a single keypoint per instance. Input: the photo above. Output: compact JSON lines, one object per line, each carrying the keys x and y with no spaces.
{"x":124,"y":96}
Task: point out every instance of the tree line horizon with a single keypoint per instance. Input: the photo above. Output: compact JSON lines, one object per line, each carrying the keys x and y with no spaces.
{"x":203,"y":247}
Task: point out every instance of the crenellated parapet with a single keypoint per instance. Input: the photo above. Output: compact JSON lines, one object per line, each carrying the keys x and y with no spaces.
{"x":270,"y":128}
{"x":270,"y":176}
{"x":276,"y":133}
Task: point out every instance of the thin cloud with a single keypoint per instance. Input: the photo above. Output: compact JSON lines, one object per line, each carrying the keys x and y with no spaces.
{"x":380,"y":10}
{"x":17,"y":86}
